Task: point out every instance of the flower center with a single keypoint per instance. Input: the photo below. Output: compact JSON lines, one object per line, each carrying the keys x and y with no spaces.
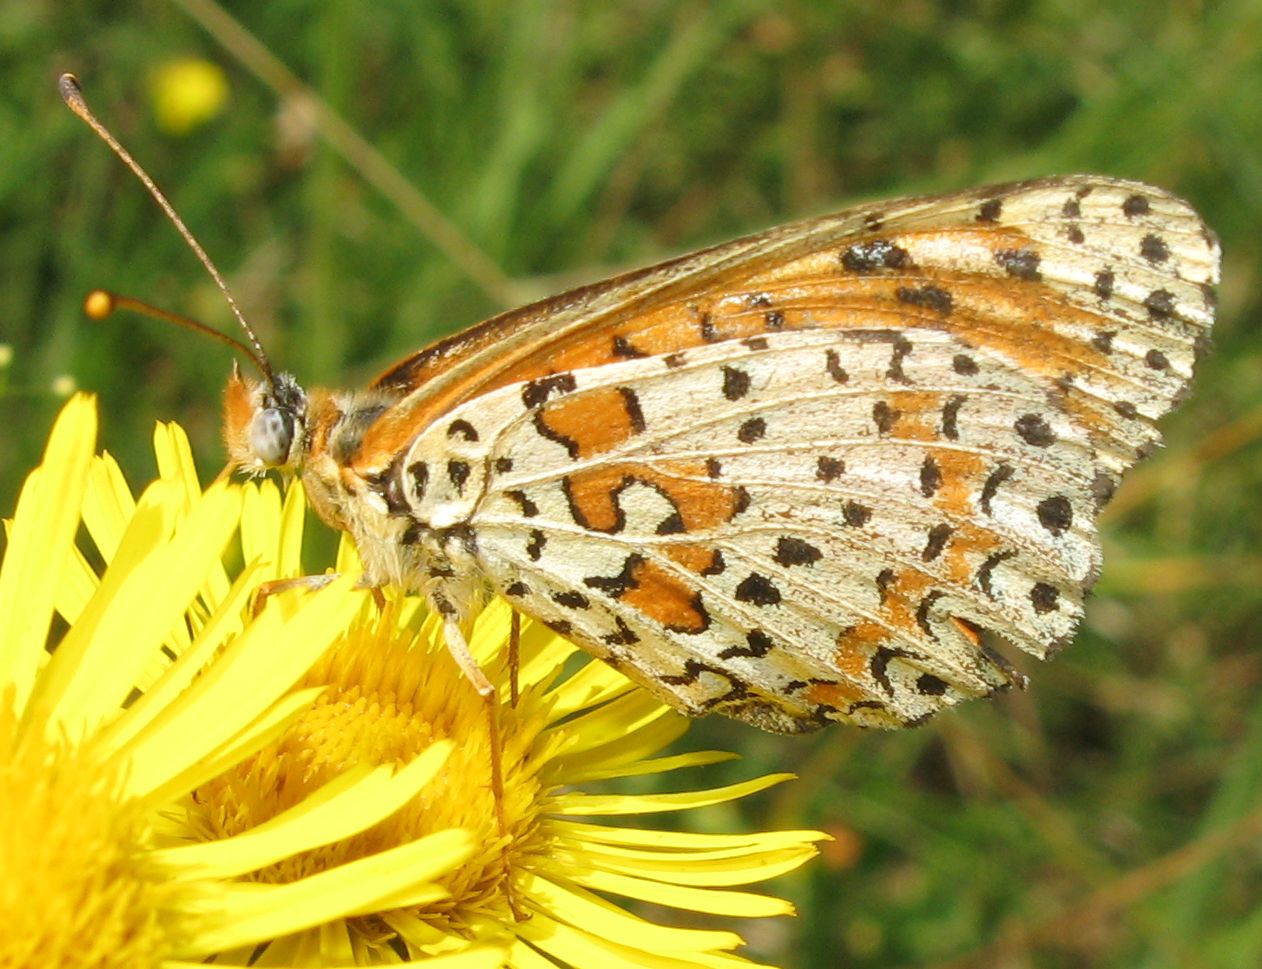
{"x":74,"y":891}
{"x":390,"y":692}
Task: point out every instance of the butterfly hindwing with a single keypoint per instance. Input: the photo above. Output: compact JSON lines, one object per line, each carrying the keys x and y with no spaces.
{"x":801,"y":527}
{"x":812,"y":474}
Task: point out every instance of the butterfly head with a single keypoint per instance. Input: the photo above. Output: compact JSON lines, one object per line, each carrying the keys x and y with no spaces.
{"x":265,"y":422}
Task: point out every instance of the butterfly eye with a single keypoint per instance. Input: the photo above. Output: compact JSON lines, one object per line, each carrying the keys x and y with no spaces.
{"x":271,"y":434}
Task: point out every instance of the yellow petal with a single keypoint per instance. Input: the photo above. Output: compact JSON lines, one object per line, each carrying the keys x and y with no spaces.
{"x":641,"y":765}
{"x":161,"y":692}
{"x":244,"y":680}
{"x":356,"y":800}
{"x":107,"y":506}
{"x":579,"y":948}
{"x":732,"y":904}
{"x":95,"y":666}
{"x":252,"y":912}
{"x":594,"y":914}
{"x":700,"y":868}
{"x":260,"y":525}
{"x":273,"y":722}
{"x":588,"y":804}
{"x":43,"y":530}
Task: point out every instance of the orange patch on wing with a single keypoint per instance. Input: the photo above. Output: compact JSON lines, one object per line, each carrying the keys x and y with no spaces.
{"x":662,"y":596}
{"x":596,"y":421}
{"x":968,"y":631}
{"x":856,"y":645}
{"x":960,"y":470}
{"x":694,"y":558}
{"x":968,"y":540}
{"x":918,"y":415}
{"x":701,"y":504}
{"x":836,"y":694}
{"x":390,"y":435}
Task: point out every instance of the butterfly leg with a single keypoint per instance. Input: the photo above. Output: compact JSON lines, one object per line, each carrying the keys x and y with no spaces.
{"x":514,"y":655}
{"x":275,"y":586}
{"x":310,"y":582}
{"x":459,"y":650}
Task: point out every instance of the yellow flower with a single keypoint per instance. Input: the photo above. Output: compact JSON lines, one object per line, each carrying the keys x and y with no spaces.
{"x":186,"y":93}
{"x":145,"y":686}
{"x":207,"y":784}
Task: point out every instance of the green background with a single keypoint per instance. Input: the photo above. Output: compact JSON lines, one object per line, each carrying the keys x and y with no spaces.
{"x":1111,"y":815}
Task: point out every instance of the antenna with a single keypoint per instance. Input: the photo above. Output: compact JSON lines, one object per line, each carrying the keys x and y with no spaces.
{"x":72,"y":94}
{"x":100,"y":303}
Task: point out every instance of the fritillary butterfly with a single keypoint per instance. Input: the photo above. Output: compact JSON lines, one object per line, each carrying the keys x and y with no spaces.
{"x":797,"y":478}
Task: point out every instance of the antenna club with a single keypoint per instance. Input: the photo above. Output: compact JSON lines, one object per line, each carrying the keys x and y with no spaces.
{"x":99,"y":304}
{"x":71,"y":93}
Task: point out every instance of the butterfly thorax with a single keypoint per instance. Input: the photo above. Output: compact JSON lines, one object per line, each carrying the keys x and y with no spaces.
{"x":407,"y":511}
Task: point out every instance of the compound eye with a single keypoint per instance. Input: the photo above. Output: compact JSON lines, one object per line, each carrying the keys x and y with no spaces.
{"x":271,"y":434}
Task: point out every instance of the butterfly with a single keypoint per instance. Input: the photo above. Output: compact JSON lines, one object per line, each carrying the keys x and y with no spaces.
{"x":812,"y":475}
{"x":807,"y":476}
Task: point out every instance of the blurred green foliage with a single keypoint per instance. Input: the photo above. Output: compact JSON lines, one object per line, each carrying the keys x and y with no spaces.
{"x":1107,"y":817}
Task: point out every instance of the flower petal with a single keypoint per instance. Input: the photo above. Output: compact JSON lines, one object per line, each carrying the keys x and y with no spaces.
{"x":580,"y":908}
{"x":95,"y":665}
{"x":733,"y":904}
{"x":249,"y":912}
{"x":243,"y":681}
{"x":43,"y":531}
{"x":356,"y":800}
{"x":580,"y":948}
{"x":575,"y":803}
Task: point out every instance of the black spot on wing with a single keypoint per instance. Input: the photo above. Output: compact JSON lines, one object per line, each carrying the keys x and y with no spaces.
{"x":571,"y":599}
{"x":622,"y":347}
{"x":928,"y":295}
{"x":1020,"y":263}
{"x":535,"y":544}
{"x":1035,"y":430}
{"x":868,"y":257}
{"x":950,"y":417}
{"x":884,"y":417}
{"x":735,"y":383}
{"x":930,"y":476}
{"x":458,"y":474}
{"x":617,"y":585}
{"x":1135,"y":205}
{"x":631,"y":404}
{"x":751,"y":430}
{"x":991,"y":485}
{"x":990,"y":210}
{"x":1153,"y":248}
{"x":834,"y":368}
{"x":1056,"y":514}
{"x":1159,"y":304}
{"x":542,"y":389}
{"x":757,"y":590}
{"x":795,"y":551}
{"x":757,"y":644}
{"x":462,"y":428}
{"x":936,"y":541}
{"x":1044,"y":598}
{"x":829,"y":469}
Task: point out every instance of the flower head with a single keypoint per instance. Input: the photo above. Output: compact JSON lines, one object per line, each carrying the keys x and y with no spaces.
{"x":315,"y":779}
{"x":186,"y":93}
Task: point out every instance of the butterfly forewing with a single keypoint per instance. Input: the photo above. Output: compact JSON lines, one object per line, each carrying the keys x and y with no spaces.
{"x":1099,"y":258}
{"x":804,"y":476}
